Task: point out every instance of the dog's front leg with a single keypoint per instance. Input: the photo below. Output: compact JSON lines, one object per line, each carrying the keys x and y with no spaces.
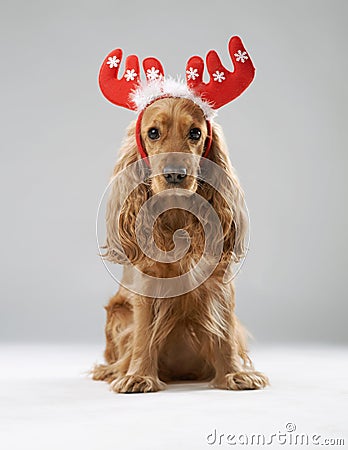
{"x":230,"y":374}
{"x":142,"y":374}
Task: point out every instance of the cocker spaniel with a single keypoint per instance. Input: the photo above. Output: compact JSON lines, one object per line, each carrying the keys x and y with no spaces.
{"x":176,"y":220}
{"x":195,"y":335}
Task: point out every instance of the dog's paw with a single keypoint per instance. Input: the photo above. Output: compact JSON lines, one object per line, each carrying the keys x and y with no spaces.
{"x":103,"y":372}
{"x":137,"y":383}
{"x":240,"y":381}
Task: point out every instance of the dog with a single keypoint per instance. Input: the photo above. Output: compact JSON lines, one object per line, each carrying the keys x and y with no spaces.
{"x":152,"y":340}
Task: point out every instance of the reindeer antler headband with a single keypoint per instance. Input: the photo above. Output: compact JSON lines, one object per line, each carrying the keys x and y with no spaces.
{"x":223,"y":86}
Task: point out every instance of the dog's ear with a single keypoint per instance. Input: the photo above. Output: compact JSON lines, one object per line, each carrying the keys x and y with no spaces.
{"x":128,"y":193}
{"x":228,"y":199}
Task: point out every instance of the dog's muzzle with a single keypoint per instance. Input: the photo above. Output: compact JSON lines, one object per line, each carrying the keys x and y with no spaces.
{"x":174,"y":175}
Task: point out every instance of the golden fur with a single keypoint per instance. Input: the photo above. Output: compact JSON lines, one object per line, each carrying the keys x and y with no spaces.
{"x":194,"y":336}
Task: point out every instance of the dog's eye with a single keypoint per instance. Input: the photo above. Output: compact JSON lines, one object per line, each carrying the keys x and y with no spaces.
{"x":195,"y":134}
{"x":153,"y":133}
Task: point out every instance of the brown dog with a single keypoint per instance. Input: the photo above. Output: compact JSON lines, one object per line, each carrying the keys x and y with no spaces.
{"x":194,"y":335}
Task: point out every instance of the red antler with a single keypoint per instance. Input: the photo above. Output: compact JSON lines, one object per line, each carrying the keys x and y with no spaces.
{"x":117,"y":90}
{"x":224,"y":86}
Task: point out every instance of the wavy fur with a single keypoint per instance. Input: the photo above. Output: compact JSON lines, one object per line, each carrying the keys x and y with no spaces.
{"x":194,"y":336}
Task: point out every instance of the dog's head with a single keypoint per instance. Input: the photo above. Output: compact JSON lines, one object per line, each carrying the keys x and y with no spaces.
{"x":172,"y":130}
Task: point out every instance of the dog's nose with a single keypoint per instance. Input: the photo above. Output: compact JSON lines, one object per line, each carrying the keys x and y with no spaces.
{"x":174,"y":174}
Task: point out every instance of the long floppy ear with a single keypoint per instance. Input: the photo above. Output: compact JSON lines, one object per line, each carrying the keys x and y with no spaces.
{"x":128,"y":193}
{"x":228,"y":199}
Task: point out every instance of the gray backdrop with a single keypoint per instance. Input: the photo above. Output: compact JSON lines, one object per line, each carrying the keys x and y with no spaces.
{"x":287,"y":138}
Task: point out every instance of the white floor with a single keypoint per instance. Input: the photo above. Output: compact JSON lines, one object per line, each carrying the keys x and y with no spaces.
{"x":48,"y":403}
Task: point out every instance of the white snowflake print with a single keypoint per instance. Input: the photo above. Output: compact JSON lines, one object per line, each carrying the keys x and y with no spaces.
{"x":153,"y":74}
{"x":241,"y":56}
{"x":130,"y":75}
{"x":192,"y":73}
{"x":113,"y":61}
{"x":219,"y":76}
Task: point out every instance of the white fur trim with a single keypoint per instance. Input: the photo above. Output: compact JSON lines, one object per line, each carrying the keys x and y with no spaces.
{"x":147,"y":92}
